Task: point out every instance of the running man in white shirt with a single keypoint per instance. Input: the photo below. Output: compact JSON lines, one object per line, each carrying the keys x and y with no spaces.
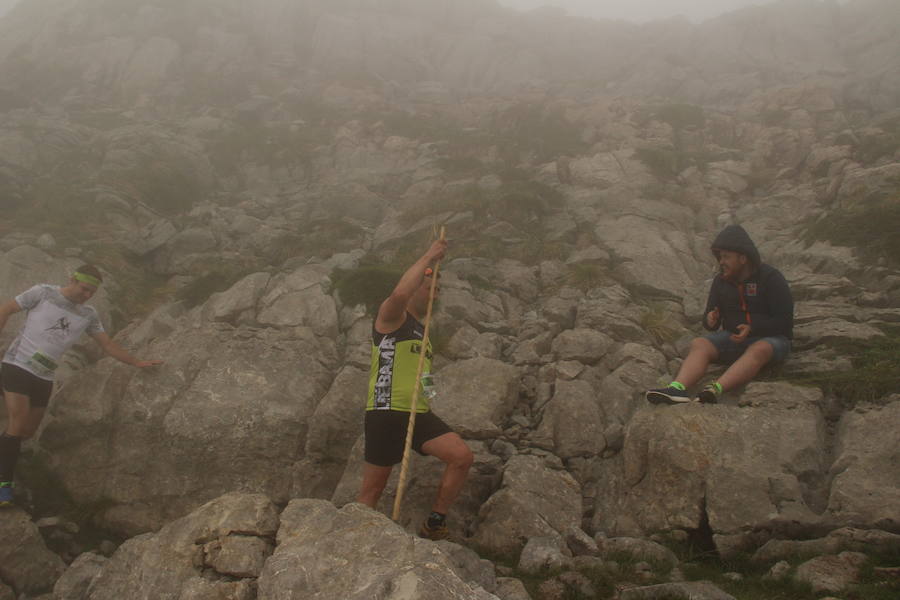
{"x":56,"y":318}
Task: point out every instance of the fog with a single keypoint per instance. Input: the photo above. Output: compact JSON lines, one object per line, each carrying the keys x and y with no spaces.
{"x":630,"y":10}
{"x":640,"y":10}
{"x":5,"y":5}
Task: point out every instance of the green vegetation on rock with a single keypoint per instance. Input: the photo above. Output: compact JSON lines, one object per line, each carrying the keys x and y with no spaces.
{"x":870,"y":228}
{"x":368,"y":284}
{"x":875,"y":373}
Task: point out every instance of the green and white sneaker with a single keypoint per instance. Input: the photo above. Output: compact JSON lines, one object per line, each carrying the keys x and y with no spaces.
{"x":671,"y":394}
{"x":710,"y":394}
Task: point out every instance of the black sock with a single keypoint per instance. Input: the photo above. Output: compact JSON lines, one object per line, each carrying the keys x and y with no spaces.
{"x":9,"y":455}
{"x":436,"y":519}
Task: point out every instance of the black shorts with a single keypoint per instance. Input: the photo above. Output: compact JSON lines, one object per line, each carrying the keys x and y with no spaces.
{"x":386,"y":434}
{"x":19,"y":381}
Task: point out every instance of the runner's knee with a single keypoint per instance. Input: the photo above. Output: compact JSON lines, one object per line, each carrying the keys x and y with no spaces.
{"x":463,"y":458}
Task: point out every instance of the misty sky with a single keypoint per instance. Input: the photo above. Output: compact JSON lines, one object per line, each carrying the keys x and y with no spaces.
{"x":631,"y":10}
{"x":640,"y":10}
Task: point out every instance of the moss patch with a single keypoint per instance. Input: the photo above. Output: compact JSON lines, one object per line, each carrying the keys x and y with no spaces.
{"x":870,"y":228}
{"x":875,"y":373}
{"x":369,"y":284}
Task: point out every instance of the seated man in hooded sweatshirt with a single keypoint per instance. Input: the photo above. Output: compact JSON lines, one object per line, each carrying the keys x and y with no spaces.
{"x":752,"y":304}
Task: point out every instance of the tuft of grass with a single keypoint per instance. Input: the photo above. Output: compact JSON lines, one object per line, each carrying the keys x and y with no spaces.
{"x":870,"y":228}
{"x":698,"y":564}
{"x":664,"y":163}
{"x":754,"y":586}
{"x":659,"y":323}
{"x":368,"y":284}
{"x":875,"y":373}
{"x":584,"y":276}
{"x":540,"y":130}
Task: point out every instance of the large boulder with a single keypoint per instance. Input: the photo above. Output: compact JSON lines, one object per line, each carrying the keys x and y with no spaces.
{"x":76,"y":581}
{"x":239,"y":302}
{"x":865,"y":487}
{"x":228,"y":537}
{"x":321,"y":549}
{"x":534,"y":500}
{"x":334,"y":428}
{"x":25,"y":562}
{"x":573,"y":421}
{"x":475,"y":396}
{"x":742,"y":468}
{"x":584,"y":345}
{"x":228,"y":410}
{"x":831,"y":573}
{"x":299,"y":300}
{"x":635,"y":368}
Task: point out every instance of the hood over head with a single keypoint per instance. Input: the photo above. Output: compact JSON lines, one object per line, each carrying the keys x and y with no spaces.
{"x":736,"y":239}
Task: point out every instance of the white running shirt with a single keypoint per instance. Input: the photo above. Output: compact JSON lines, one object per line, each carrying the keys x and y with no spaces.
{"x":52,"y":325}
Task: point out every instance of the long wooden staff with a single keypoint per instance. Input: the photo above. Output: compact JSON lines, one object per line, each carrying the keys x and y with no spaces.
{"x":404,"y":465}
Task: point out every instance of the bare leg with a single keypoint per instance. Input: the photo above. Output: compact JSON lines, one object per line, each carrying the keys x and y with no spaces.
{"x":694,"y":366}
{"x":747,"y":366}
{"x":374,"y":480}
{"x":453,"y":451}
{"x":32,"y":422}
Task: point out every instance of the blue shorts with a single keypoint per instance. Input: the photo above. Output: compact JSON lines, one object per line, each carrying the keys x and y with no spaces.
{"x":730,"y":351}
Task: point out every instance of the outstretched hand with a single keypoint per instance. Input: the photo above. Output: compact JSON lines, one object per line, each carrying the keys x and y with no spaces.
{"x":743,"y":331}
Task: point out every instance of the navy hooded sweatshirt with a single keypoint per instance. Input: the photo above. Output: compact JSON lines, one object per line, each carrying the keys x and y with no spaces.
{"x":762,"y":301}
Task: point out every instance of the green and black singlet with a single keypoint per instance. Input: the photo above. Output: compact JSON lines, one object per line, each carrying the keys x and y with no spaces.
{"x":395,"y":358}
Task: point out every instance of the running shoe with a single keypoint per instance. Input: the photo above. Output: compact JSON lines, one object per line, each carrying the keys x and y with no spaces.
{"x":667,"y":395}
{"x":710,"y":394}
{"x":6,"y":494}
{"x":438,"y":532}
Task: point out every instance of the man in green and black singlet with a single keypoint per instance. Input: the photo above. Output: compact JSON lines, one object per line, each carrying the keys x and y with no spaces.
{"x":55,"y":320}
{"x":396,"y":343}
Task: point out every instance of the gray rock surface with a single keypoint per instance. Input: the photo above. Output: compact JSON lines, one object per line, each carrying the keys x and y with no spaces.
{"x":542,"y":555}
{"x":510,"y":588}
{"x":27,"y":565}
{"x":76,"y":581}
{"x":831,"y":573}
{"x":170,"y":562}
{"x":864,"y":457}
{"x":637,"y":549}
{"x":573,"y":423}
{"x":692,"y":590}
{"x":315,"y":558}
{"x":679,"y":459}
{"x":846,"y":538}
{"x":263,"y":145}
{"x":229,"y":401}
{"x":475,"y":396}
{"x":532,"y":500}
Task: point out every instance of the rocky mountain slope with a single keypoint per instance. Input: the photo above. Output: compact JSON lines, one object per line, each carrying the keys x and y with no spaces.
{"x":252,"y":175}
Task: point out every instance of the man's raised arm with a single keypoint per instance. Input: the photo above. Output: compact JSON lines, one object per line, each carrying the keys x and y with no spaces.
{"x":392,"y":311}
